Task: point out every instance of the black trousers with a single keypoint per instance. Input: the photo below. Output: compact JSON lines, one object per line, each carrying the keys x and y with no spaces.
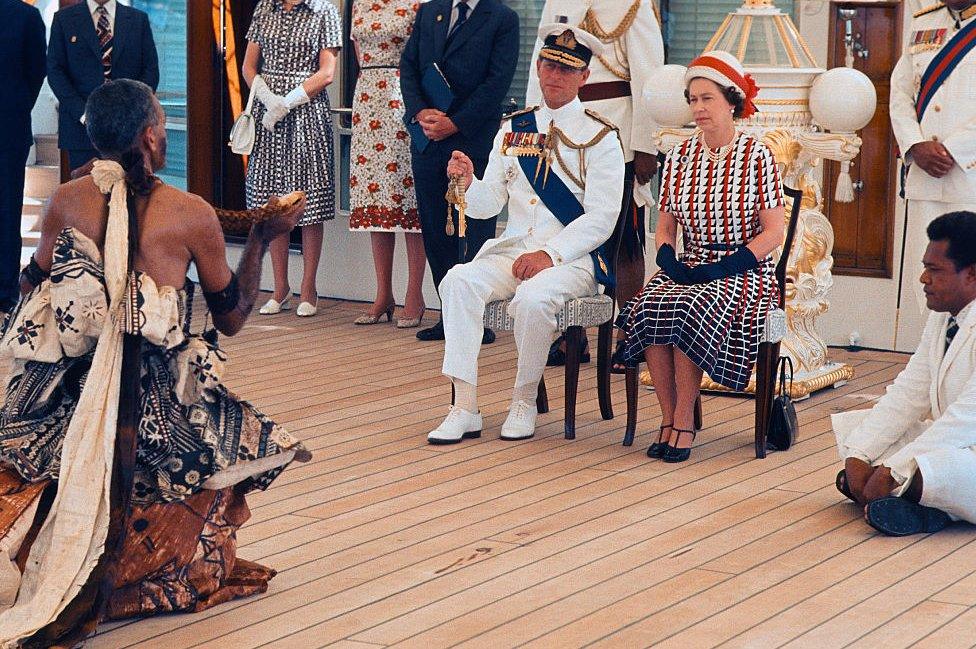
{"x":78,"y":157}
{"x":430,"y":180}
{"x":12,"y":162}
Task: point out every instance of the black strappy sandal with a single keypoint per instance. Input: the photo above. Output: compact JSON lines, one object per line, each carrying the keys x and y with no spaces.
{"x":657,"y":449}
{"x":672,"y":454}
{"x":557,"y":355}
{"x":617,"y":363}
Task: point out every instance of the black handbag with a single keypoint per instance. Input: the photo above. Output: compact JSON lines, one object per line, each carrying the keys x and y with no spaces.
{"x":783,"y":425}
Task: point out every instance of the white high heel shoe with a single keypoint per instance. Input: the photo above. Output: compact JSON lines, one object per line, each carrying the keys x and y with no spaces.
{"x":273,"y":306}
{"x":307,"y":309}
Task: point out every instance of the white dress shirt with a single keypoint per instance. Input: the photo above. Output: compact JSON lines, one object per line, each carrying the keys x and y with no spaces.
{"x":109,"y":7}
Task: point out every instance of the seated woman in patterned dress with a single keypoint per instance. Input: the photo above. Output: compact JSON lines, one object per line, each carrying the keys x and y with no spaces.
{"x":705,"y":311}
{"x":86,"y":534}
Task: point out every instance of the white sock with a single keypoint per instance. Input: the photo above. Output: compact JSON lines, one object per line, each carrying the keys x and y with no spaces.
{"x":465,"y":395}
{"x":526,"y":393}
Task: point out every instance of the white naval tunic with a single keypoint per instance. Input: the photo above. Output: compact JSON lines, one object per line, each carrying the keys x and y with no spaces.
{"x":468,"y":288}
{"x":949,"y":119}
{"x":645,"y":52}
{"x":926,"y":421}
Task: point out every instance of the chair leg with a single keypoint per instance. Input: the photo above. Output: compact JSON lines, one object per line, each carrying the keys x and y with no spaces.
{"x":698,"y":414}
{"x":542,"y":397}
{"x":765,"y":385}
{"x":574,"y":335}
{"x":604,"y":344}
{"x":630,"y":378}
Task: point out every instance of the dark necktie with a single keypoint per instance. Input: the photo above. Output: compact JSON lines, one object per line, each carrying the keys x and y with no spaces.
{"x":104,"y":31}
{"x":951,"y":330}
{"x":462,"y":16}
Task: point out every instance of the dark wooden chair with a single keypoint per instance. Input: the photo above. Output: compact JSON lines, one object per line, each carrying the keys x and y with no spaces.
{"x":768,"y":349}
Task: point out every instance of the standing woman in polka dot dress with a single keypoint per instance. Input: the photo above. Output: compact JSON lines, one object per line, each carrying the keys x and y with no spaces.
{"x":705,"y":311}
{"x":290,"y":60}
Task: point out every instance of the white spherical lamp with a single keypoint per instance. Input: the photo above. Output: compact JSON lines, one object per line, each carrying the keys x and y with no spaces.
{"x":843,"y":100}
{"x":665,"y":97}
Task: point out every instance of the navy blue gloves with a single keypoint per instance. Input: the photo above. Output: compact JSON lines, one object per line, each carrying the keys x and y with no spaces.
{"x":737,"y":263}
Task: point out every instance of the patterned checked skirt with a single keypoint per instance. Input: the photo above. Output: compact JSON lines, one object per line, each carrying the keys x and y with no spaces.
{"x":718,"y":325}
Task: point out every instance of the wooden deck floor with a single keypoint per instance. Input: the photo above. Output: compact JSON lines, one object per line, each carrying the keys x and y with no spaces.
{"x":383,"y":540}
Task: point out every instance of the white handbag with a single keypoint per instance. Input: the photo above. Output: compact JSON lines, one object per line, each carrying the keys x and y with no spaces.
{"x":242,"y":132}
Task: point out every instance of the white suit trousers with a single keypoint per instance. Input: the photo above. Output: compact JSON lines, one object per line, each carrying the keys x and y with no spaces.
{"x":948,"y":474}
{"x":536,"y":302}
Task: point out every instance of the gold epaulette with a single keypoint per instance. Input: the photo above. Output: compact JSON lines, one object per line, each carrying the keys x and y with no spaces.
{"x":968,"y":13}
{"x":928,"y":10}
{"x":600,"y":118}
{"x":524,"y":111}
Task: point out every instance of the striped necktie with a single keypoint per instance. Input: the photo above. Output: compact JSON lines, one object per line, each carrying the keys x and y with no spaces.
{"x":104,"y":31}
{"x":951,"y":330}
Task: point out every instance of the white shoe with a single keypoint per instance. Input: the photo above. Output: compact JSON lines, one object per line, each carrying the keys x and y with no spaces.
{"x":273,"y":306}
{"x":459,"y":424}
{"x":307,"y":309}
{"x":520,"y":423}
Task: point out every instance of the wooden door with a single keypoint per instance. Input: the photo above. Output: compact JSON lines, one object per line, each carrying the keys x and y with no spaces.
{"x":864,"y":229}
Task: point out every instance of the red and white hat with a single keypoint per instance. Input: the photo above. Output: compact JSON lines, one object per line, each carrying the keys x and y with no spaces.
{"x":725,"y":70}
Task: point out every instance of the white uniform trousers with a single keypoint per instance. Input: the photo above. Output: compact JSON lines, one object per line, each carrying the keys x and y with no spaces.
{"x":468,"y":288}
{"x":913,"y":309}
{"x":948,"y":474}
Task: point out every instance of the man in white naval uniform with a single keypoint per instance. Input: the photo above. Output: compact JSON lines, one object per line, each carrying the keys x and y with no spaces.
{"x":557,"y":150}
{"x":911,"y":459}
{"x":934,"y":120}
{"x":631,"y":34}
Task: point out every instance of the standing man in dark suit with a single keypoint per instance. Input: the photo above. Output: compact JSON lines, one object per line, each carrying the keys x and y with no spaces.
{"x":92,"y":42}
{"x":475,"y":45}
{"x":21,"y":76}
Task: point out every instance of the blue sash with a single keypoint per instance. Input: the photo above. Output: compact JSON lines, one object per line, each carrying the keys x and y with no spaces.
{"x":939,"y":69}
{"x":560,"y":200}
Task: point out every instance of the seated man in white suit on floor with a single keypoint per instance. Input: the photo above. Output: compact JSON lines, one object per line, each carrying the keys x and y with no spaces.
{"x":911,"y":460}
{"x":560,"y":169}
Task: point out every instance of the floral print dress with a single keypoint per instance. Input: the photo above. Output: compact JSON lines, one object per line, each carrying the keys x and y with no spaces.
{"x":382,"y":194}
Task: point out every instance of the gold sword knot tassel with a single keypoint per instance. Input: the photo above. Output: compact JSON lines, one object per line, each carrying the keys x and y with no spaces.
{"x":455,"y":199}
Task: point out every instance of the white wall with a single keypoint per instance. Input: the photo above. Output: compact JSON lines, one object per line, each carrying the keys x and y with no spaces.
{"x":857,"y":304}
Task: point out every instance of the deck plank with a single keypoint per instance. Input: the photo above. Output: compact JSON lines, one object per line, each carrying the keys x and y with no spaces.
{"x":382,"y":540}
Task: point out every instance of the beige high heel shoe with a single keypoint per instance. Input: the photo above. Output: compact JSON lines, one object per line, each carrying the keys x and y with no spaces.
{"x":370,"y":319}
{"x":410,"y":323}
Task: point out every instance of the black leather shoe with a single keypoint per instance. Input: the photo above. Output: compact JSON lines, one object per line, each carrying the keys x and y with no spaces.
{"x":672,"y":454}
{"x":899,"y":517}
{"x":487,"y":338}
{"x":658,"y":448}
{"x":432,"y":333}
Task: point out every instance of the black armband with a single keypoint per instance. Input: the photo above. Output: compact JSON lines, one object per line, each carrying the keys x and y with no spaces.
{"x":225,"y":300}
{"x":33,"y":273}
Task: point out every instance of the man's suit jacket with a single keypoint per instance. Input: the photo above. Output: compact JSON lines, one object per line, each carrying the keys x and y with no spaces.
{"x":74,"y":63}
{"x":478,"y":63}
{"x":935,"y":395}
{"x":21,"y":70}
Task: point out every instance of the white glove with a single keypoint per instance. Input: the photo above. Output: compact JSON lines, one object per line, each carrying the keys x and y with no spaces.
{"x":296,"y":97}
{"x":274,"y":105}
